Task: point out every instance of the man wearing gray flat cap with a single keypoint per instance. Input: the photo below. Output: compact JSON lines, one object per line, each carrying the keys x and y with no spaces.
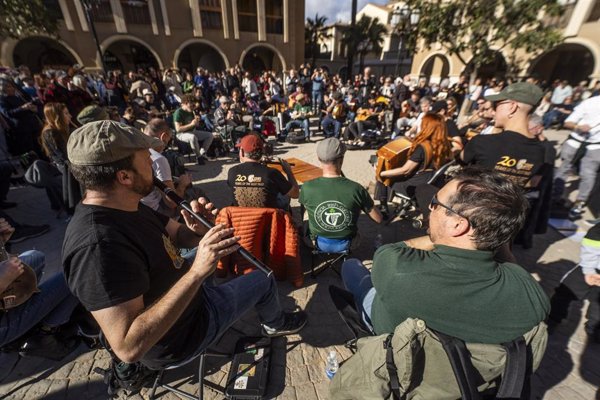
{"x":121,"y":259}
{"x":334,"y":202}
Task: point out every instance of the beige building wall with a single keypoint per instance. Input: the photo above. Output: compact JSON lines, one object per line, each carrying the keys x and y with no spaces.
{"x":174,"y":25}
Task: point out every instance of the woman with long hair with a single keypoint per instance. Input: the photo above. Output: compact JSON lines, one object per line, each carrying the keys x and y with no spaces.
{"x":55,"y":135}
{"x":430,"y":150}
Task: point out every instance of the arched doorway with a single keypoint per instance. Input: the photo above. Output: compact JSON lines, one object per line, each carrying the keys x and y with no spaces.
{"x":497,"y":68}
{"x":436,"y":66}
{"x":570,"y":61}
{"x":200,"y":54}
{"x":128,"y":55}
{"x":41,"y":52}
{"x":260,"y":58}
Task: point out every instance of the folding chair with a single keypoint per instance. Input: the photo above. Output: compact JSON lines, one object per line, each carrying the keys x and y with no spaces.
{"x":332,"y":257}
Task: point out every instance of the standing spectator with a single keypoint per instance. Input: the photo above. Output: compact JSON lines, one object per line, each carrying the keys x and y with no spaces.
{"x":318,"y":85}
{"x":582,"y":282}
{"x":22,"y":119}
{"x":584,"y":123}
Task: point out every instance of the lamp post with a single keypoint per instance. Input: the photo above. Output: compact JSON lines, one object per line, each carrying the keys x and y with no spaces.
{"x":87,"y":7}
{"x":404,"y":19}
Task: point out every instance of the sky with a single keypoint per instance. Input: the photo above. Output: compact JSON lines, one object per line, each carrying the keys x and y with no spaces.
{"x":335,"y":10}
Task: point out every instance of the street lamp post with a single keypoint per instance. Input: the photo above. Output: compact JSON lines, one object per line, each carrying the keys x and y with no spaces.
{"x":87,"y":7}
{"x":404,"y":19}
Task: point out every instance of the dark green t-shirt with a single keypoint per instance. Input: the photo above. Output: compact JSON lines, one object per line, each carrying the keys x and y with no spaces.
{"x":463,"y":293}
{"x":183,"y":117}
{"x":333,"y":206}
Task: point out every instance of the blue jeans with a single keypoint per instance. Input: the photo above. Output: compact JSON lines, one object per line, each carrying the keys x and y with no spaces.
{"x":357,"y":280}
{"x":297,"y":123}
{"x":228,"y":302}
{"x":52,"y":306}
{"x":317,"y":99}
{"x":330,"y":123}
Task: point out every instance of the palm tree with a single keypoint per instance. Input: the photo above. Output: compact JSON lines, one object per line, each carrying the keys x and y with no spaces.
{"x":314,"y":32}
{"x":366,"y":37}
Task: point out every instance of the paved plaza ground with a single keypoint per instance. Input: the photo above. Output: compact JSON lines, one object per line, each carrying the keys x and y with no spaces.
{"x":569,"y":370}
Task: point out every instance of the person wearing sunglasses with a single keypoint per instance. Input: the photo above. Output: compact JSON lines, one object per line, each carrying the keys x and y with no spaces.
{"x":515,"y":152}
{"x":452,"y":278}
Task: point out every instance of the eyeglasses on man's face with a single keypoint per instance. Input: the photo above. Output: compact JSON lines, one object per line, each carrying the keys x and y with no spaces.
{"x":435,"y":202}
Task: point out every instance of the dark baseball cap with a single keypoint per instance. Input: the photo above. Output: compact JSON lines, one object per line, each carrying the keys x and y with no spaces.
{"x":251,"y":143}
{"x":523,"y":92}
{"x":439,"y":105}
{"x":103,"y":142}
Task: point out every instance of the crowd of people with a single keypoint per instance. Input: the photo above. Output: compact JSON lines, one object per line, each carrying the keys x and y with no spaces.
{"x":98,"y":140}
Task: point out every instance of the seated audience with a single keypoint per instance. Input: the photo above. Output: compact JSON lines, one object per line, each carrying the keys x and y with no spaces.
{"x":334,"y":202}
{"x":159,"y":129}
{"x":336,"y":115}
{"x":121,"y":259}
{"x":254,"y":184}
{"x":559,"y":113}
{"x":49,"y":309}
{"x":450,"y":279}
{"x":300,"y":114}
{"x":186,"y":128}
{"x":228,"y":123}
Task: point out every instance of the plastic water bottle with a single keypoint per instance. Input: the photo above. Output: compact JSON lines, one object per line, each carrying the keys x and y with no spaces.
{"x":332,"y":364}
{"x":378,"y":241}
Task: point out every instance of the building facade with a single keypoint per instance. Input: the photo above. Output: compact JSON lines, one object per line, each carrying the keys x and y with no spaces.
{"x":214,"y":34}
{"x":576,"y":59}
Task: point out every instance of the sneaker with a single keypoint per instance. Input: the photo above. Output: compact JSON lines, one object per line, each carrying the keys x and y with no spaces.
{"x":592,"y":222}
{"x":293,"y":323}
{"x":24,"y":232}
{"x":577,"y":210}
{"x":49,"y":345}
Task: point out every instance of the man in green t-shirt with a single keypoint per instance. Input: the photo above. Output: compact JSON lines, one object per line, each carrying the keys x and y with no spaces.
{"x":334,"y":202}
{"x":186,"y":128}
{"x":451,"y":278}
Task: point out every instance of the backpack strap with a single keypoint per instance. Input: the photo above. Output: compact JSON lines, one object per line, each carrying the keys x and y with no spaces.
{"x":391,"y":367}
{"x":517,"y":370}
{"x":460,"y":360}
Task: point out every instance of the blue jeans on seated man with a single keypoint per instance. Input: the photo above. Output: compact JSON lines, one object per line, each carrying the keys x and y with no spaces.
{"x":297,"y":123}
{"x":329,"y":124}
{"x":52,"y":306}
{"x":357,"y":280}
{"x":328,"y":245}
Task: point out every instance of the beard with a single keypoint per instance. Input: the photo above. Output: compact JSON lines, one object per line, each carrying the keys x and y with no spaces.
{"x":142,"y":186}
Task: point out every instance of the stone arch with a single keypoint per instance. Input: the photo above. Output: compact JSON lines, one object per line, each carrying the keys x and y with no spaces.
{"x":498,"y":68}
{"x":428,"y":66}
{"x":574,"y":60}
{"x":112,"y":40}
{"x":258,"y":58}
{"x":10,"y":47}
{"x":186,"y":45}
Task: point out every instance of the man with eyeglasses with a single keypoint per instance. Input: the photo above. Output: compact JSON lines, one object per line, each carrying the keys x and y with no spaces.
{"x":451,"y":278}
{"x":515,"y":152}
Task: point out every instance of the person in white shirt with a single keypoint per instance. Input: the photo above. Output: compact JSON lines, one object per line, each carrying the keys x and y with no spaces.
{"x":585,"y":125}
{"x":561,"y":92}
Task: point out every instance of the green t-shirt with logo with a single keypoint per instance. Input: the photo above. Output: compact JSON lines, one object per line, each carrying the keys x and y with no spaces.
{"x":333,"y":206}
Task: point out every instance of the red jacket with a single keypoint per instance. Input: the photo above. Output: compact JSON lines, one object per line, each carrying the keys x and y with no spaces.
{"x":270,"y":235}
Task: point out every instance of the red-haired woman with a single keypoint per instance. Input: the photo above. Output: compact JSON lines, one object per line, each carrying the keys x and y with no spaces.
{"x":430,"y":150}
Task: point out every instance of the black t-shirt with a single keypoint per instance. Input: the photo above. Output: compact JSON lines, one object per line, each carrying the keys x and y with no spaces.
{"x":515,"y":156}
{"x":418,"y":156}
{"x":256,"y":185}
{"x":112,"y":256}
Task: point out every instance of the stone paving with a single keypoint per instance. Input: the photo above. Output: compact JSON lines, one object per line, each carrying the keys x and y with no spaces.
{"x":568,"y":371}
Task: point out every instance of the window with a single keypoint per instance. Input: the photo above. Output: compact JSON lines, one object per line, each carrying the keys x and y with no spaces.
{"x":54,"y":11}
{"x":274,"y":16}
{"x":136,"y":12}
{"x":210,"y":14}
{"x":100,"y":11}
{"x":247,"y":17}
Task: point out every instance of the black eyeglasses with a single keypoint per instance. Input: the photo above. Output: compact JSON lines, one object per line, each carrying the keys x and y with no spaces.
{"x":435,"y":202}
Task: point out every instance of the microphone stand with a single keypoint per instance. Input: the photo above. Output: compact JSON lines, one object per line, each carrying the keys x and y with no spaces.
{"x":171,"y":194}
